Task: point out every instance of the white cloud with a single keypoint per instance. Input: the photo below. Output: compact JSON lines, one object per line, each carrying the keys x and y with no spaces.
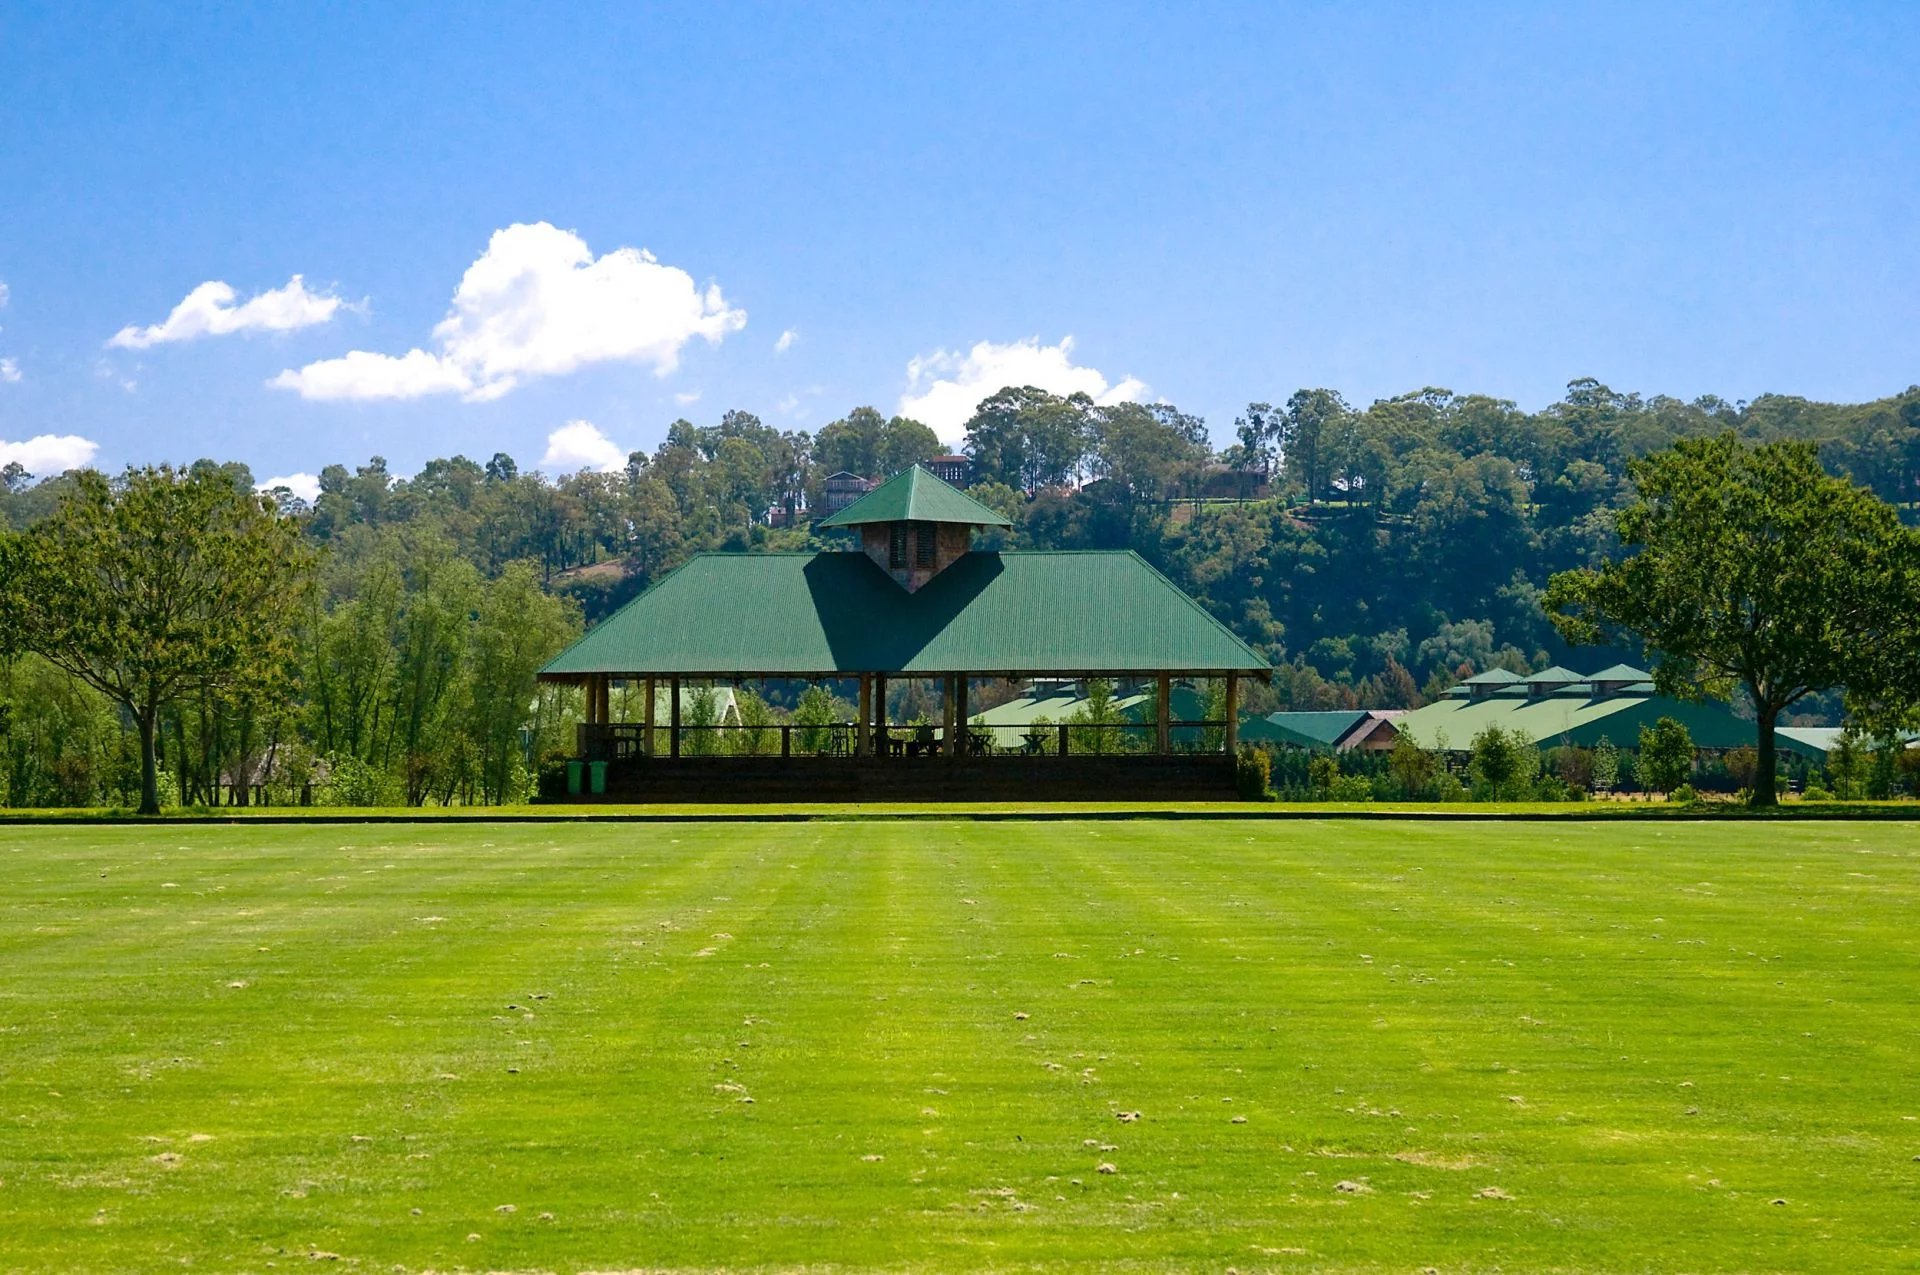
{"x":580,"y":445}
{"x":303,"y":485}
{"x":786,"y":341}
{"x":944,"y":388}
{"x":688,"y":398}
{"x":46,"y":455}
{"x":537,"y":302}
{"x":10,"y":371}
{"x":6,"y":294}
{"x":209,"y":311}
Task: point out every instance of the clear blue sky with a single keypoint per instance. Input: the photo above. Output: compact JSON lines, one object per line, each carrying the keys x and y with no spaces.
{"x":1222,"y":202}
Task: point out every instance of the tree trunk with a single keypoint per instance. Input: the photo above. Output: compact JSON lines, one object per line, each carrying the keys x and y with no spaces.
{"x":1763,"y":795}
{"x":149,"y":771}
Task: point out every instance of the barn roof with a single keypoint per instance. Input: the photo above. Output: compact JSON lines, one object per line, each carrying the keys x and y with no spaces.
{"x":835,"y":613}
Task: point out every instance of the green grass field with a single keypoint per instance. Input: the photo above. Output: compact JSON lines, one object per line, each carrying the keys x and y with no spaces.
{"x":1618,"y":1046}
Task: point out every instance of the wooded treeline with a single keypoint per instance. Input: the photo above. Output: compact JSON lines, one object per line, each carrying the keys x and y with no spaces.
{"x":1375,"y":554}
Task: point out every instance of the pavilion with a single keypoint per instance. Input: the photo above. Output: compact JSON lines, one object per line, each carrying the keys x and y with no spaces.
{"x":915,"y":599}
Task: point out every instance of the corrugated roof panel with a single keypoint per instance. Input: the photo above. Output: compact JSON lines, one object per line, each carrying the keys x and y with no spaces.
{"x":1323,"y":729}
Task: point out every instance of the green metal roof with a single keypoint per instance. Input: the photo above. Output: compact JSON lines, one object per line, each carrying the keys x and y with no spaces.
{"x":1622,"y":673}
{"x":914,"y":495}
{"x":1577,"y":719}
{"x":1011,"y":720}
{"x":822,"y":614}
{"x":1493,"y":677}
{"x":1314,"y":730}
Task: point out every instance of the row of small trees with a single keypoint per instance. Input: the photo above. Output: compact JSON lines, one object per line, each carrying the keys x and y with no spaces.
{"x":1503,"y":765}
{"x":199,"y":612}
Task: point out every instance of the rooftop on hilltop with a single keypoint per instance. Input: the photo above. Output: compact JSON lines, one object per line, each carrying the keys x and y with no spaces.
{"x":916,"y":495}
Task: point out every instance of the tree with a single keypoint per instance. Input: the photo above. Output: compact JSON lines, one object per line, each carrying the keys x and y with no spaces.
{"x":1502,"y":760}
{"x":1754,"y":569}
{"x":158,"y":585}
{"x":1848,"y":766}
{"x":1098,"y":723}
{"x":517,"y":628}
{"x":1412,"y":767}
{"x":1666,"y":755}
{"x":1606,"y":766}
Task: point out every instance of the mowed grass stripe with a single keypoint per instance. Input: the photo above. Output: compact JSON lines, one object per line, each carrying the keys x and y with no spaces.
{"x":1643,"y":1035}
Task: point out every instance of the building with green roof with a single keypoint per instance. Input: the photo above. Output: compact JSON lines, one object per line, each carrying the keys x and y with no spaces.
{"x":1339,"y":730}
{"x":1558,"y":706}
{"x":914,"y":599}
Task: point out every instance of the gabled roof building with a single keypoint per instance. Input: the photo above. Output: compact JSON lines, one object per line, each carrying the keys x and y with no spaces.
{"x":914,"y":599}
{"x":1558,"y":706}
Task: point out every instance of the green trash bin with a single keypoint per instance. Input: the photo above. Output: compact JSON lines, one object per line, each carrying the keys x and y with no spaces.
{"x":573,"y":778}
{"x":597,"y":777}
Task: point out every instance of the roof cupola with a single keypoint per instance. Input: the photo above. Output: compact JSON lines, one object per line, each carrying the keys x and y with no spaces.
{"x":915,"y":526}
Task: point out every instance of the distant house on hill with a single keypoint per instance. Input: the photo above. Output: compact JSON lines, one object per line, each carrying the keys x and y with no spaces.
{"x":1221,"y":481}
{"x":1559,"y":706}
{"x":841,"y":490}
{"x":954,"y":468}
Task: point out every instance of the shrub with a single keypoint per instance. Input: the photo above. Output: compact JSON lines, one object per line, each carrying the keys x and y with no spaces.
{"x":1743,"y":764}
{"x":551,"y":781}
{"x":1683,"y":795}
{"x":1448,"y":787}
{"x":1253,"y":773}
{"x":1815,"y":792}
{"x":353,"y":782}
{"x":1351,"y":788}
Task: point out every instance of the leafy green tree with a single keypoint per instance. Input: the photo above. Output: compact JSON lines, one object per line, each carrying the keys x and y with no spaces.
{"x":1097,"y":725}
{"x":759,"y":733}
{"x":814,"y":717}
{"x":1606,"y":766}
{"x":701,"y":716}
{"x":1666,"y":755}
{"x":1027,"y":438}
{"x":517,"y":628}
{"x":1313,"y":419}
{"x":1502,"y":760}
{"x":159,"y":585}
{"x":1412,"y":767}
{"x":1849,"y":764}
{"x":1753,"y":568}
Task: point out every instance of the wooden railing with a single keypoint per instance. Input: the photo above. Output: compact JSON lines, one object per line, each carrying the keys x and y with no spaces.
{"x":627,"y":741}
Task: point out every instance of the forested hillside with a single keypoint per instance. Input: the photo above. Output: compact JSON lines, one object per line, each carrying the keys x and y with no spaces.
{"x":1373,"y":553}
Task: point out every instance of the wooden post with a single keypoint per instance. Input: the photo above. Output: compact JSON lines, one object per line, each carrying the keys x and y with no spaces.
{"x":863,"y":736}
{"x":959,"y":732}
{"x":880,"y":713}
{"x":1163,"y":713}
{"x":1233,"y":713}
{"x":606,"y":698}
{"x":946,"y":713}
{"x":648,"y":719}
{"x":673,"y":717}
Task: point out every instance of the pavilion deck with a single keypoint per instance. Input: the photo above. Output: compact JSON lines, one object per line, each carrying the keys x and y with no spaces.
{"x":787,"y":763}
